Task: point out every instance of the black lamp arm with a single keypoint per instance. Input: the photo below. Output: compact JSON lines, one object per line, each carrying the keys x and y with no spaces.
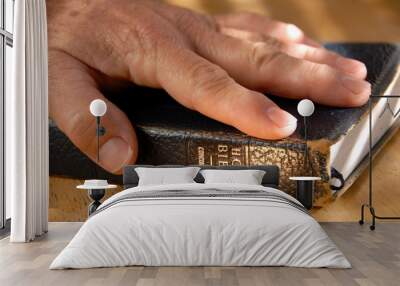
{"x":306,"y":143}
{"x":100,"y":131}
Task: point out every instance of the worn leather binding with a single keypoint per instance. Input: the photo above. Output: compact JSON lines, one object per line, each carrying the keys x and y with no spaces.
{"x":171,"y":134}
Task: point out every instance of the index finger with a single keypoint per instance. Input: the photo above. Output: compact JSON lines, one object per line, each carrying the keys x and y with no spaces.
{"x":203,"y":86}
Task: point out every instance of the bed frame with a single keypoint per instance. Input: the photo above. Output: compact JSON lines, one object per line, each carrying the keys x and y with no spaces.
{"x":270,"y":179}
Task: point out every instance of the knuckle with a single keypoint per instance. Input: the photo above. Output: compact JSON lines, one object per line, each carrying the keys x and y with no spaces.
{"x":191,"y":23}
{"x":261,"y":57}
{"x":315,"y":70}
{"x":261,"y":37}
{"x":150,"y":40}
{"x":274,"y":44}
{"x":188,"y":20}
{"x":254,"y":36}
{"x":358,"y":100}
{"x":210,"y":22}
{"x":208,"y":80}
{"x":144,"y":34}
{"x":311,"y":53}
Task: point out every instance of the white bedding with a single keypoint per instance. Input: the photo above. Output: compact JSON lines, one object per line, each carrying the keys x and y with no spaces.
{"x":200,"y":231}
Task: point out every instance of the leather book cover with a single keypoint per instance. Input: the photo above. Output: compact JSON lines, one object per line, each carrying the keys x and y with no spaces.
{"x":169,"y":133}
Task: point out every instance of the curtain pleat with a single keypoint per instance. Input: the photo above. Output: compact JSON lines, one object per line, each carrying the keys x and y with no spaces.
{"x":28,"y":160}
{"x":15,"y":130}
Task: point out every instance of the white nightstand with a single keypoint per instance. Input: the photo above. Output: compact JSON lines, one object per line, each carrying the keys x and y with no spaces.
{"x":96,"y":190}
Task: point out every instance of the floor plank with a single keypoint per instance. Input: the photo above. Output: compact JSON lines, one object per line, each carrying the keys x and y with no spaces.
{"x":375,"y":257}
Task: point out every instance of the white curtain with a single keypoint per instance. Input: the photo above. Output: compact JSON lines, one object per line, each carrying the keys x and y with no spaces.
{"x":27,"y":124}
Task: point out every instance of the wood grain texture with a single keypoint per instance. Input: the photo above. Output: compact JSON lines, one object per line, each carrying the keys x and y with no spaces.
{"x":325,"y":20}
{"x":67,"y":203}
{"x":375,"y":257}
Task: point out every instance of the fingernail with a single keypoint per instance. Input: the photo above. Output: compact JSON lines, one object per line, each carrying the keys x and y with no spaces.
{"x":294,"y":32}
{"x":356,"y":86}
{"x":114,"y":154}
{"x":352,"y":66}
{"x":282,"y":119}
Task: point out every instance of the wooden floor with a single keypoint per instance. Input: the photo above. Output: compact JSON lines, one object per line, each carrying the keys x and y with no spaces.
{"x":375,"y":257}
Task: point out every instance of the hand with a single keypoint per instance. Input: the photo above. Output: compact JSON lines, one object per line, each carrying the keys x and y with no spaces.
{"x":216,"y":65}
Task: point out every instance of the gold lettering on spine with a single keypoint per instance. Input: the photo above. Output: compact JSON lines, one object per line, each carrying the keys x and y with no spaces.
{"x":236,"y":161}
{"x":222,"y":148}
{"x":200,"y":151}
{"x":222,"y":155}
{"x":236,"y":152}
{"x":227,"y":155}
{"x":247,"y":154}
{"x":236,"y":156}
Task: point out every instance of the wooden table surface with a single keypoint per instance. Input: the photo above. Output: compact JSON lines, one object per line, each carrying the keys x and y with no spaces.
{"x":326,"y":21}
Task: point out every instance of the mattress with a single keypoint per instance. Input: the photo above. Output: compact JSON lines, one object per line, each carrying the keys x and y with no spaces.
{"x":201,"y":225}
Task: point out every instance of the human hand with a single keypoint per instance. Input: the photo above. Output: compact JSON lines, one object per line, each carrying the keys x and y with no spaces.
{"x":218,"y":66}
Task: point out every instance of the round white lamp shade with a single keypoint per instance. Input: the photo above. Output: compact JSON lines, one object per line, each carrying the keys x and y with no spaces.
{"x":305,"y":107}
{"x":98,"y":107}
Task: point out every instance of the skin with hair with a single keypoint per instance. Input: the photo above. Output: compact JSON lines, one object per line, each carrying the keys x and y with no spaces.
{"x":217,"y":65}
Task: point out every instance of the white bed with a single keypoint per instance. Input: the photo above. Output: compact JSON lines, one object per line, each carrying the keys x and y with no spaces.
{"x":206,"y":230}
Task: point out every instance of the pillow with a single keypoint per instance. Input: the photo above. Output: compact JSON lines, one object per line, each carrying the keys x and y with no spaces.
{"x":164,"y":176}
{"x":248,"y":177}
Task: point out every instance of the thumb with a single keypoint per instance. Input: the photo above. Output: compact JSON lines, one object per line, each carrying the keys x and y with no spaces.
{"x":71,"y":90}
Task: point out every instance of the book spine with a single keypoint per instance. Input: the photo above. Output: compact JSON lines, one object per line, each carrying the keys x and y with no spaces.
{"x":177,"y":147}
{"x":162,"y":146}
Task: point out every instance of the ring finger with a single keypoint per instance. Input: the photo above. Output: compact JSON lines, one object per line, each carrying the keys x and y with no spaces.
{"x":302,"y":51}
